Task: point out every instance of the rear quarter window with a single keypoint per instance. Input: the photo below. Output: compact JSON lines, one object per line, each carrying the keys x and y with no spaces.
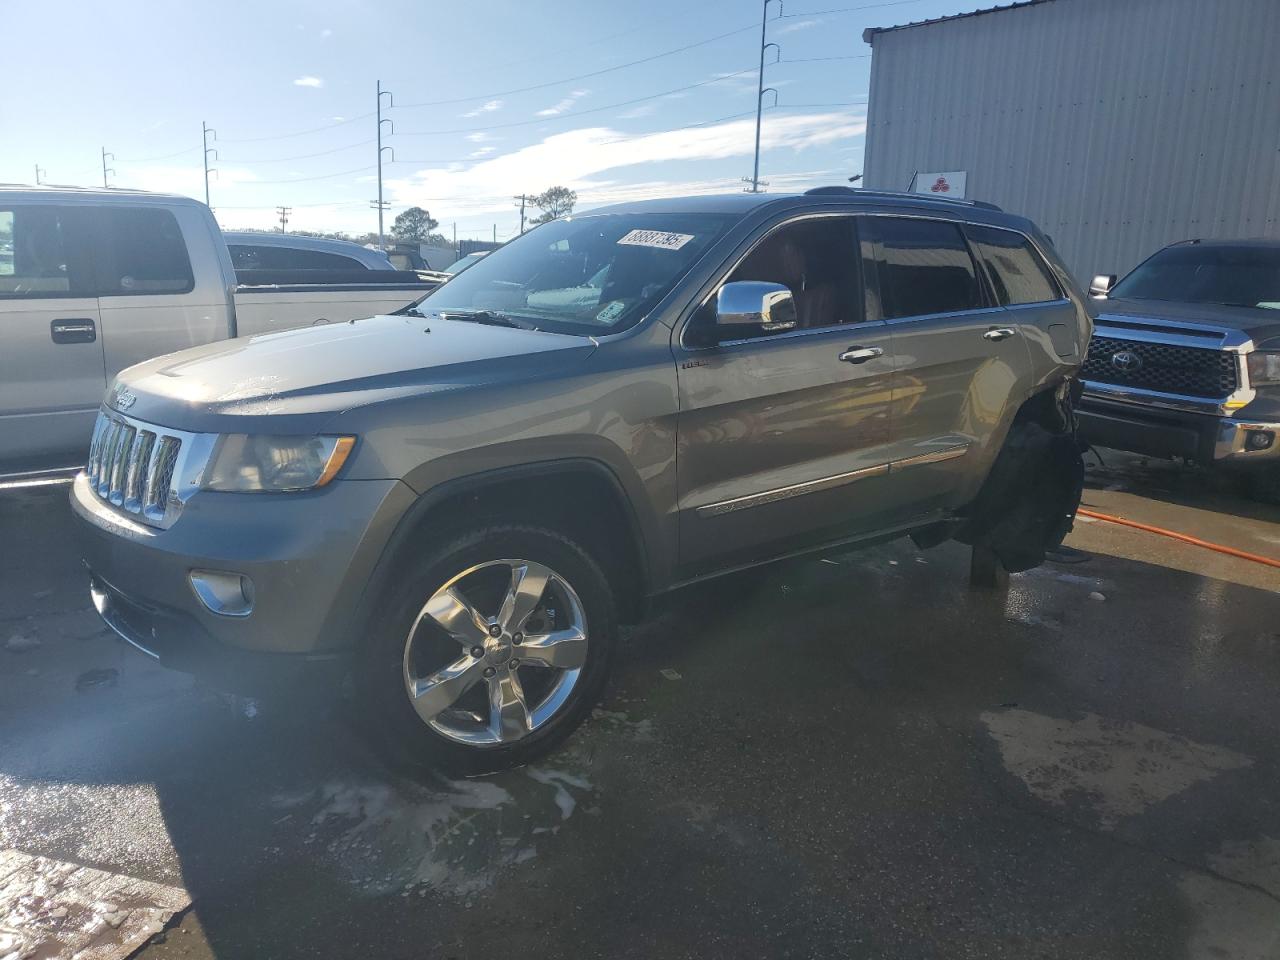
{"x":924,"y":267}
{"x":145,"y":253}
{"x":1018,"y":273}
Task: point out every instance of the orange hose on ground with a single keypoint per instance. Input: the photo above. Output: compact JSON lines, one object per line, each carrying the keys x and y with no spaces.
{"x":1194,"y":541}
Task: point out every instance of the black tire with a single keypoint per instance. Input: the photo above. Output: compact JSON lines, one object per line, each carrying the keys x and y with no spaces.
{"x":406,"y":738}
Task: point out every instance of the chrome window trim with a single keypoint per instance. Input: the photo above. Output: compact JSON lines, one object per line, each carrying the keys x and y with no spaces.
{"x":721,"y":507}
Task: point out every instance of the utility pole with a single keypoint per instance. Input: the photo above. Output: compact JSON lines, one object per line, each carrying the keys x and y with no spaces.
{"x":205,"y":130}
{"x":284,"y":217}
{"x":761,"y":90}
{"x":495,"y":233}
{"x":39,"y":170}
{"x":380,"y":204}
{"x":455,"y":239}
{"x":523,"y":200}
{"x":105,"y":168}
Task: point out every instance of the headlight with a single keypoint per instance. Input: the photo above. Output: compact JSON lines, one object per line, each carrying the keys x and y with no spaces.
{"x":244,"y":463}
{"x":1264,"y":368}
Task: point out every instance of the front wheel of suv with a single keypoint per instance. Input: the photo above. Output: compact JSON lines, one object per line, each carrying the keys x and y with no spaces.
{"x":492,"y":649}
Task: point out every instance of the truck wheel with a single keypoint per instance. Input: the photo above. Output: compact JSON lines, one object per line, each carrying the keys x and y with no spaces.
{"x":494,"y":647}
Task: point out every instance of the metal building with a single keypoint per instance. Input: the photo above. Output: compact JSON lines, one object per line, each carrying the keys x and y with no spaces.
{"x":1117,"y":125}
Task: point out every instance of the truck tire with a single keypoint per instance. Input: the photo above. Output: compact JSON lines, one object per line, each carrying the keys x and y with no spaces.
{"x":489,"y":650}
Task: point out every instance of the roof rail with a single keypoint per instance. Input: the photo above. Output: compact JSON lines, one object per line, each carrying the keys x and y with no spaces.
{"x":836,"y":191}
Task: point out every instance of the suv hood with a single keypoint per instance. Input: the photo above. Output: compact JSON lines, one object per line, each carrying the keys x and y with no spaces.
{"x":300,"y":375}
{"x":1258,"y":322}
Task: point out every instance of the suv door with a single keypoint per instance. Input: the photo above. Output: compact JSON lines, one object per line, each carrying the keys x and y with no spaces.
{"x":52,"y":375}
{"x":783,"y":438}
{"x":959,"y":359}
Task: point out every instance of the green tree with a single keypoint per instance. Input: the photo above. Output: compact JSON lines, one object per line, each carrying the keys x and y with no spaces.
{"x":554,"y":202}
{"x":413,"y":226}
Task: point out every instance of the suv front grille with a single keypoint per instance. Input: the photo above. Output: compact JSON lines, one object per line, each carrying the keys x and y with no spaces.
{"x":131,"y":466}
{"x":1165,"y":368}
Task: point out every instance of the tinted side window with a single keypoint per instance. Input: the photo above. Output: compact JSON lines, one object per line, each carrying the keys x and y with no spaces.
{"x":251,"y":257}
{"x":923,"y":266}
{"x":147,"y":253}
{"x":818,"y":260}
{"x":41,"y":253}
{"x":1018,"y":274}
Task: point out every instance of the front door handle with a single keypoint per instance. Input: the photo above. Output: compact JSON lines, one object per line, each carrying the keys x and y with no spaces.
{"x":998,"y":333}
{"x":861,"y":354}
{"x":79,"y":330}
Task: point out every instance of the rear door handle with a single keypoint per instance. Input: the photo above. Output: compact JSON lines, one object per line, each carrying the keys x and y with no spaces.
{"x":998,"y":333}
{"x":78,"y":330}
{"x":861,"y":354}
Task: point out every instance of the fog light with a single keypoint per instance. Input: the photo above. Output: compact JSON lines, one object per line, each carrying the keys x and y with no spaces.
{"x":1259,"y":439}
{"x":226,"y":594}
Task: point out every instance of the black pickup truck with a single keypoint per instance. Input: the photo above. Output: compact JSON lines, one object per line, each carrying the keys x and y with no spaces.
{"x":1185,"y":358}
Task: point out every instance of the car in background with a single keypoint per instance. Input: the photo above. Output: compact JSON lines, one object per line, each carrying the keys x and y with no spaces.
{"x":287,"y":251}
{"x":1185,"y":358}
{"x":93,"y":281}
{"x":463,"y":262}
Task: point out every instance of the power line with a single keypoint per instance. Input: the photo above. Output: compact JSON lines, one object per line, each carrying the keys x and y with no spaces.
{"x":299,"y":133}
{"x":856,"y":56}
{"x":165,"y":156}
{"x":308,"y":156}
{"x":869,"y":6}
{"x":581,"y":76}
{"x":324,"y":176}
{"x":580,"y":113}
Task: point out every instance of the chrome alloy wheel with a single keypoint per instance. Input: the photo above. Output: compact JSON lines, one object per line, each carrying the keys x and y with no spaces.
{"x":494,"y":653}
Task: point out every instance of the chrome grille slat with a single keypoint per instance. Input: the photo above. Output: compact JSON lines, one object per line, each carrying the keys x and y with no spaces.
{"x":144,"y":470}
{"x":120,"y":465}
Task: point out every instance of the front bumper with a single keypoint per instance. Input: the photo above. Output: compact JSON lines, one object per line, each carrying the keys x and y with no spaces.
{"x":308,"y":556}
{"x":1204,"y":438}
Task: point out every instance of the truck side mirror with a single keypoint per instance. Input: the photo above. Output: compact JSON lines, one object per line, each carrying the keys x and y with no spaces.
{"x":1100,"y":284}
{"x":747,"y":308}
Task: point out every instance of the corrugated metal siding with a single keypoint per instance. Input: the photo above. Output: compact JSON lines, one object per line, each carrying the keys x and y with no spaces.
{"x":1119,"y":126}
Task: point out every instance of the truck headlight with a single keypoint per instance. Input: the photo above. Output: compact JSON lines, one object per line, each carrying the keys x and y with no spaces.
{"x":1264,"y":368}
{"x":247,"y":463}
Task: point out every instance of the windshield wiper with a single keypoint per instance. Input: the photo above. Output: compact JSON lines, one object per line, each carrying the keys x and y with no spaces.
{"x":490,"y":317}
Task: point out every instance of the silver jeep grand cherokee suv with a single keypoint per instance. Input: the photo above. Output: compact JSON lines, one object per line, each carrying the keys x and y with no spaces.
{"x":456,"y":506}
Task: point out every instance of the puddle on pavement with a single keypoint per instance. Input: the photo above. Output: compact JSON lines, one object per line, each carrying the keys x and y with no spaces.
{"x":450,"y":836}
{"x":1117,"y":768}
{"x":51,"y":910}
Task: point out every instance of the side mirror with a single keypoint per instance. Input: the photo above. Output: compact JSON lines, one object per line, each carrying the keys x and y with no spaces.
{"x":1100,"y":284}
{"x":747,"y":308}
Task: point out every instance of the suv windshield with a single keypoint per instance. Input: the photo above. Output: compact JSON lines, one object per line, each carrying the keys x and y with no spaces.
{"x":586,"y":275}
{"x":1234,"y":276}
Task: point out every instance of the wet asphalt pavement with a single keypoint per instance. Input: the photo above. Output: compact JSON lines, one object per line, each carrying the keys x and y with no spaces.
{"x":854,"y":757}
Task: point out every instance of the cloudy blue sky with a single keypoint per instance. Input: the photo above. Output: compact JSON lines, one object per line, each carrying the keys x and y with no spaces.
{"x":491,"y":98}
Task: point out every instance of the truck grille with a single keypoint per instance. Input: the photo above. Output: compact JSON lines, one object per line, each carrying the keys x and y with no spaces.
{"x":131,"y":466}
{"x":1187,"y":371}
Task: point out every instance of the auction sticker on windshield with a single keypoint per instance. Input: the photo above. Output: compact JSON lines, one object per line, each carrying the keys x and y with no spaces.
{"x":656,"y":238}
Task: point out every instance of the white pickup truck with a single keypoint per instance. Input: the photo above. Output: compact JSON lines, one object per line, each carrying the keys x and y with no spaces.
{"x":93,"y":281}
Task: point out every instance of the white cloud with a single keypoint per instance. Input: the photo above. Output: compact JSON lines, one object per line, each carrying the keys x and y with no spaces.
{"x":636,"y":112}
{"x":487,"y":107}
{"x":479,"y":136}
{"x":565,"y":104}
{"x":308,"y":81}
{"x":576,"y":158}
{"x":483,"y":151}
{"x":326,"y":33}
{"x":794,"y":27}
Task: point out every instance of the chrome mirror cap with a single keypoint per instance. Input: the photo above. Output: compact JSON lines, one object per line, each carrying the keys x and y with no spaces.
{"x":1101,"y":285}
{"x":766,"y":307}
